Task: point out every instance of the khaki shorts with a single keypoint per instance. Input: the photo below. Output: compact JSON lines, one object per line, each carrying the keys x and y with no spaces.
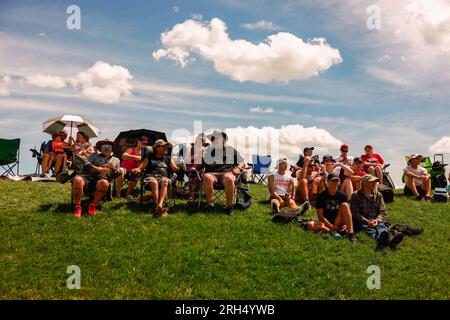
{"x":219,"y":176}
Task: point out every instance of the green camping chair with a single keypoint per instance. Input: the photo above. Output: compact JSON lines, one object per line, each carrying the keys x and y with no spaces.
{"x":425,"y":163}
{"x":9,"y":156}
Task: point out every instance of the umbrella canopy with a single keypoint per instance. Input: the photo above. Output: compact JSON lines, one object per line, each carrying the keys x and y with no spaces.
{"x":129,"y":138}
{"x":56,"y":124}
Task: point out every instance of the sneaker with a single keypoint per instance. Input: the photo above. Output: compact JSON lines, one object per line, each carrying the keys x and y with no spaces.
{"x":92,"y":209}
{"x":275,"y":208}
{"x":305,"y":207}
{"x":419,"y":198}
{"x":229,"y":210}
{"x":396,"y":238}
{"x":77,"y":211}
{"x":351,"y":237}
{"x":209,"y":207}
{"x":383,"y":240}
{"x":336,"y":235}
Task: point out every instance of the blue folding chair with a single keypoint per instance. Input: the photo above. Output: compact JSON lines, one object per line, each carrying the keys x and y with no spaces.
{"x":261,"y":168}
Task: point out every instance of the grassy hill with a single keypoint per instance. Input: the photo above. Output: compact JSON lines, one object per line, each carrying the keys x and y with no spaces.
{"x":125,"y":253}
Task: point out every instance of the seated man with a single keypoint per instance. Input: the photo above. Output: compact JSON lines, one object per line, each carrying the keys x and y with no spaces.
{"x":131,"y":159}
{"x":333,"y":209}
{"x":369,"y":213}
{"x":344,"y":157}
{"x":343,"y":171}
{"x":100,"y":169}
{"x":281,"y":187}
{"x":372,"y":163}
{"x":157,"y":165}
{"x":358,"y":173}
{"x":309,"y":183}
{"x":222,"y":165}
{"x":307,"y":152}
{"x":417,"y":179}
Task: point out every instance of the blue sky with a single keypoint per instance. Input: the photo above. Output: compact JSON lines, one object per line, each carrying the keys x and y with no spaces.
{"x":390,"y":89}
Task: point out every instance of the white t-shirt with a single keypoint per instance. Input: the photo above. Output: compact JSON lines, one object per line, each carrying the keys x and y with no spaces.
{"x":419,"y":171}
{"x":341,"y":159}
{"x":281,"y":183}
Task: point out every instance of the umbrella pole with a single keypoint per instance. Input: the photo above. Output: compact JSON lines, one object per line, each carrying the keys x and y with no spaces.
{"x":71,"y":123}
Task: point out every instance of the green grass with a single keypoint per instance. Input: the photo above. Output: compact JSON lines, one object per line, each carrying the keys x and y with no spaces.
{"x":125,"y":253}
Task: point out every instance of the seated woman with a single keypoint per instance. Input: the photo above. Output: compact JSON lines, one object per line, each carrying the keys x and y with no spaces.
{"x":157,"y":165}
{"x":281,"y":187}
{"x":309,"y":183}
{"x":194,"y":164}
{"x":81,"y":146}
{"x":48,"y":156}
{"x":131,"y":159}
{"x":333,"y":209}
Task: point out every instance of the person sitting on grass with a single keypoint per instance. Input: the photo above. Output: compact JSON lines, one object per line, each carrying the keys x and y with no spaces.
{"x":358,"y":173}
{"x":281,"y":187}
{"x":131,"y":159}
{"x":344,"y":157}
{"x":222,"y":165}
{"x":373,"y":163}
{"x":333,"y":209}
{"x":369,"y":213}
{"x":157,"y":166}
{"x":100,"y":169}
{"x":307,"y":152}
{"x":343,"y":171}
{"x":309,"y":183}
{"x":417,"y":179}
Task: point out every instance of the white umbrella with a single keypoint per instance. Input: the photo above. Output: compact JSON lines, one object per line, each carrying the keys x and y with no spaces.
{"x":56,"y":124}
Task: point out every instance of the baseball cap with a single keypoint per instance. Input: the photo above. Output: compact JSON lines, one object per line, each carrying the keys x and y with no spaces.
{"x":159,"y":142}
{"x":357,"y":160}
{"x":344,"y":147}
{"x":369,"y":178}
{"x":368,"y":146}
{"x":332,"y":176}
{"x":415,"y":156}
{"x":307,"y":148}
{"x":328,"y":157}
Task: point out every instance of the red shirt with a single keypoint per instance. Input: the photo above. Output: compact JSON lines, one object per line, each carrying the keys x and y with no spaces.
{"x":374,"y":158}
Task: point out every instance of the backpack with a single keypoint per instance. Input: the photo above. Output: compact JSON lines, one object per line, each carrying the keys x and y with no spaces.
{"x":285,"y":216}
{"x":387,"y":193}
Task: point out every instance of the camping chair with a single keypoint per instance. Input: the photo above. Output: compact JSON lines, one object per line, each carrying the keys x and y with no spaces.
{"x":219,"y":194}
{"x":437,"y":172}
{"x":9,"y":156}
{"x":387,"y":179}
{"x":261,"y":168}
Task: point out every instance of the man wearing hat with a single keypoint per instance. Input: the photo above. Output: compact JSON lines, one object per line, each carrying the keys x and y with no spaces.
{"x":369,"y":213}
{"x":333,"y":209}
{"x":222,"y":165}
{"x":344,"y":157}
{"x":372,"y":162}
{"x":358,"y":173}
{"x":157,"y":166}
{"x":417,"y":179}
{"x":307,"y":152}
{"x":99,"y":170}
{"x":343,"y":171}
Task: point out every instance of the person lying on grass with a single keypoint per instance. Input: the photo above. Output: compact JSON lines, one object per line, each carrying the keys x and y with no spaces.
{"x":309,"y":183}
{"x":369,"y":213}
{"x":333,"y":210}
{"x":222,"y":165}
{"x":281,"y":187}
{"x":418,"y":181}
{"x":344,"y":172}
{"x":100,"y":169}
{"x":156,"y":167}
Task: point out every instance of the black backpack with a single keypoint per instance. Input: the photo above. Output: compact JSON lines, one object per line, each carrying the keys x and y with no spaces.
{"x":387,"y":193}
{"x":285,"y":216}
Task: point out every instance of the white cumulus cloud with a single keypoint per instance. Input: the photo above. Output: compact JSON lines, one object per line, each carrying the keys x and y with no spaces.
{"x":287,"y":141}
{"x":261,"y":25}
{"x":281,"y":57}
{"x":104,"y":82}
{"x":45,"y":81}
{"x":441,"y":146}
{"x":4,"y":86}
{"x":258,"y":109}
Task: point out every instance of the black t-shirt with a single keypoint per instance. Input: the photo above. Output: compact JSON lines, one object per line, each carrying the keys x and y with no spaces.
{"x":300,"y":161}
{"x":158,"y":165}
{"x":224,"y":160}
{"x":330,"y":204}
